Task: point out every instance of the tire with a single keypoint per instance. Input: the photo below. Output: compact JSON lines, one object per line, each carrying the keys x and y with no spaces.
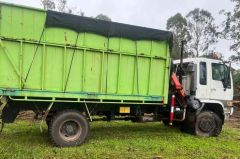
{"x":208,"y":124}
{"x":48,"y":121}
{"x":68,"y":128}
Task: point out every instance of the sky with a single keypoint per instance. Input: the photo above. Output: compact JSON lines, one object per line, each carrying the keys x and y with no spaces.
{"x":148,"y":13}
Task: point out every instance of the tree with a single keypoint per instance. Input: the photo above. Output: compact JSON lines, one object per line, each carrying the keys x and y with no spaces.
{"x":178,"y":25}
{"x":232,"y":29}
{"x":103,"y":17}
{"x":78,"y":12}
{"x":81,"y":13}
{"x":236,"y":81}
{"x":62,"y":5}
{"x":235,"y":57}
{"x":202,"y":31}
{"x":48,"y":4}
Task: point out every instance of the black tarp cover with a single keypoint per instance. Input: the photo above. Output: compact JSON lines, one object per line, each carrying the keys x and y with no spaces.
{"x":105,"y":28}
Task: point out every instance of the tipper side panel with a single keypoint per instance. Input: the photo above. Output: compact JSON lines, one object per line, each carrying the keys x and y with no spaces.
{"x":61,"y":63}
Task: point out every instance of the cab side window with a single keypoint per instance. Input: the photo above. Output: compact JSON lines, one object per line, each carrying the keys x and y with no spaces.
{"x":203,"y":73}
{"x":218,"y":71}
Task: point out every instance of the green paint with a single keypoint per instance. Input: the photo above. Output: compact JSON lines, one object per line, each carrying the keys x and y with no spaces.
{"x":103,"y":68}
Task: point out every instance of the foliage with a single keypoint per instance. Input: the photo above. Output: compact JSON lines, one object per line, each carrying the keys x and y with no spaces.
{"x":103,"y":17}
{"x":119,"y":139}
{"x":197,"y":28}
{"x":178,"y":25}
{"x":235,"y":57}
{"x":202,"y":30}
{"x":48,"y":4}
{"x":62,"y":5}
{"x":232,"y":32}
{"x":236,"y":78}
{"x":232,"y":29}
{"x":81,"y":13}
{"x":236,"y":82}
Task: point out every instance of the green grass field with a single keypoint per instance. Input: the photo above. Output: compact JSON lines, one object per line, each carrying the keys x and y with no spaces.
{"x":119,"y":139}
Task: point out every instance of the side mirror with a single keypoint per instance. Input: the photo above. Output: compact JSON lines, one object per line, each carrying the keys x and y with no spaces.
{"x":226,"y":80}
{"x":225,"y":83}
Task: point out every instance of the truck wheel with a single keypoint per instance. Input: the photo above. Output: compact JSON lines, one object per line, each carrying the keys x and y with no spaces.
{"x":68,"y":128}
{"x":208,"y":124}
{"x":48,"y":121}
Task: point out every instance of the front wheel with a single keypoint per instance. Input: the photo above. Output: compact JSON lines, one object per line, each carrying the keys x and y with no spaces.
{"x":68,"y":128}
{"x":208,"y":124}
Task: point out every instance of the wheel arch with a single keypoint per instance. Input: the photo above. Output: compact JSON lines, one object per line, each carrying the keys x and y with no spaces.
{"x":62,"y":107}
{"x":214,"y":106}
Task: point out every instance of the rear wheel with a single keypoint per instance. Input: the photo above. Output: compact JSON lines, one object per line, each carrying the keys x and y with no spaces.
{"x":48,"y":121}
{"x":208,"y":124}
{"x":68,"y":128}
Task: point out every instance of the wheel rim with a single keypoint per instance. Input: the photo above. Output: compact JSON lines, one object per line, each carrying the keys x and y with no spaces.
{"x":207,"y":124}
{"x":70,"y":130}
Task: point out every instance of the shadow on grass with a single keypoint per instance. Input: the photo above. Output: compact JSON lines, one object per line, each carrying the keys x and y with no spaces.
{"x":128,"y":130}
{"x":27,"y":133}
{"x":118,"y":139}
{"x":123,"y":127}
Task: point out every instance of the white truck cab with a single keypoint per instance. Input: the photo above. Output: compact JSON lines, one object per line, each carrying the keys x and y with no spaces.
{"x":209,"y":83}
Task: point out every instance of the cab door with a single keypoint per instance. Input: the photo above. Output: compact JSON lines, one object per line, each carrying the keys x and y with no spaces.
{"x":203,"y":81}
{"x":217,"y":76}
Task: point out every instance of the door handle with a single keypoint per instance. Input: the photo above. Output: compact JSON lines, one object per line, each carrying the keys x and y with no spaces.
{"x":213,"y":89}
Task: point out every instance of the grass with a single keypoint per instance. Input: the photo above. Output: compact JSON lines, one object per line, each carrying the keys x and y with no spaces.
{"x":119,"y":139}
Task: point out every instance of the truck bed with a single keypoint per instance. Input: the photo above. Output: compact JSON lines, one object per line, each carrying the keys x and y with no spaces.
{"x":45,"y":61}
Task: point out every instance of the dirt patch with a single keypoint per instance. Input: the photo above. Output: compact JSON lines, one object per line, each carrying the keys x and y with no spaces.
{"x":235,"y":118}
{"x":26,"y":115}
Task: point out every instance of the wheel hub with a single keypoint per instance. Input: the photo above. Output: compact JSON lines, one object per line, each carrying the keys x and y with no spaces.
{"x":207,"y":124}
{"x":70,"y":130}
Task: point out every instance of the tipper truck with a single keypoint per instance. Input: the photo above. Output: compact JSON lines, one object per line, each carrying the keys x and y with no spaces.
{"x":68,"y":69}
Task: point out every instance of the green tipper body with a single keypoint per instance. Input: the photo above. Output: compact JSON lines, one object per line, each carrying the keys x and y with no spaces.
{"x":97,"y":68}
